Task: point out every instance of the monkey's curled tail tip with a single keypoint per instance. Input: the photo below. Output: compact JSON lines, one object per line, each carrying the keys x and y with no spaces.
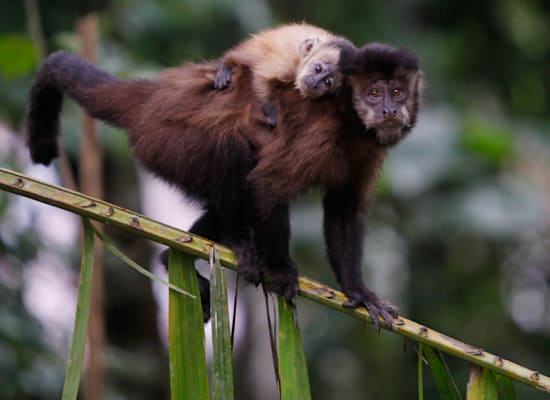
{"x":42,"y":133}
{"x":44,"y":107}
{"x":43,"y":151}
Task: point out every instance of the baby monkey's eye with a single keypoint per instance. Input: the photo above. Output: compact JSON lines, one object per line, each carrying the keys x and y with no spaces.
{"x":327,"y":82}
{"x":318,"y":68}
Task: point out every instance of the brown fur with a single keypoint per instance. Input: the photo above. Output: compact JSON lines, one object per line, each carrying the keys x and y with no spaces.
{"x":182,"y":109}
{"x":214,"y":146}
{"x":319,"y":143}
{"x":180,"y":128}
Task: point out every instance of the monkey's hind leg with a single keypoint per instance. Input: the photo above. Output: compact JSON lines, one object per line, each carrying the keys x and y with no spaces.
{"x":271,"y":238}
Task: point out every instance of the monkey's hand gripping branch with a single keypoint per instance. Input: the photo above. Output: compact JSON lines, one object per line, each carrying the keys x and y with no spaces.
{"x":379,"y":311}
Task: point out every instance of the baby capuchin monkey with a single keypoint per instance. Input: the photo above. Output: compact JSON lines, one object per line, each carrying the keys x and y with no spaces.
{"x":302,"y":54}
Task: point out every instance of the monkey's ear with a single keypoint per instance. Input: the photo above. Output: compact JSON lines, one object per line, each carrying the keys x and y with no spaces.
{"x":307,"y":45}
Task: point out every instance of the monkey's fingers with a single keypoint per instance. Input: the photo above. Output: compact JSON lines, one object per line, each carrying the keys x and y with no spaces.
{"x":291,"y":291}
{"x":378,"y":314}
{"x":287,"y":289}
{"x":250,"y":265}
{"x":353,"y":302}
{"x":383,"y":313}
{"x":250,"y":273}
{"x":375,"y":317}
{"x":392,"y":310}
{"x":223,"y":77}
{"x":283,"y":282}
{"x":379,"y":311}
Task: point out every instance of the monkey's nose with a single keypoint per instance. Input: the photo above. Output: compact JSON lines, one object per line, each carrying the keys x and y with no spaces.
{"x":312,"y":82}
{"x":389,"y":112}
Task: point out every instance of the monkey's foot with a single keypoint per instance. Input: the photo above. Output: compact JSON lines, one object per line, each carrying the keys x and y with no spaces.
{"x":223,"y":77}
{"x":283,"y":282}
{"x":378,"y":310}
{"x":250,"y":266}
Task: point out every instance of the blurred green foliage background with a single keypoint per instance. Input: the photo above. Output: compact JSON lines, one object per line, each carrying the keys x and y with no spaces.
{"x":458,"y":235}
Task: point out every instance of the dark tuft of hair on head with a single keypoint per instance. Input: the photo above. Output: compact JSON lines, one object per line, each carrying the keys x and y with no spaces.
{"x":386,"y":59}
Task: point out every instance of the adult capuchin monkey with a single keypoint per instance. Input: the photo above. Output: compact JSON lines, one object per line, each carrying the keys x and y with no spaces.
{"x":202,"y":141}
{"x":336,"y":143}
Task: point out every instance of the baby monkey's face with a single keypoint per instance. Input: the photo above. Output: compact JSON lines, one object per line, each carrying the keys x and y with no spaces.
{"x":318,"y":73}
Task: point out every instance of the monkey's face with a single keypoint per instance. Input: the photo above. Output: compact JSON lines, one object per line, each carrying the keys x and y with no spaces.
{"x":319,"y":78}
{"x":318,"y":74}
{"x":387,"y":86}
{"x":387,"y":107}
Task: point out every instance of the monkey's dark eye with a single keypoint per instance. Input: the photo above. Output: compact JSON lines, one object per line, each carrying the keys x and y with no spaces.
{"x":375,"y":92}
{"x":327,"y":82}
{"x":397,"y":92}
{"x":318,"y":68}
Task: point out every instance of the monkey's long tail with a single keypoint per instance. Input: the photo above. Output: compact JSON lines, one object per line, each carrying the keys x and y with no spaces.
{"x":61,"y":73}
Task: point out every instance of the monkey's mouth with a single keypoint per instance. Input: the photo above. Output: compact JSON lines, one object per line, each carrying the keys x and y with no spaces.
{"x":389,"y":132}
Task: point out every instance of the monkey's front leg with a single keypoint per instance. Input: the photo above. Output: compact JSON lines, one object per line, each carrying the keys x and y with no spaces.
{"x":344,"y":228}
